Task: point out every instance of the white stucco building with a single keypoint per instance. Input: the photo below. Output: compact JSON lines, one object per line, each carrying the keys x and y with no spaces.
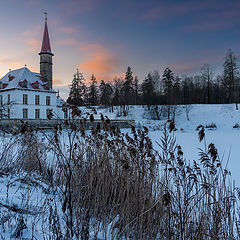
{"x":28,"y":95}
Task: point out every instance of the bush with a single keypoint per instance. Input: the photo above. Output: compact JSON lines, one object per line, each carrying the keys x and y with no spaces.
{"x":236,"y":126}
{"x":211,"y":126}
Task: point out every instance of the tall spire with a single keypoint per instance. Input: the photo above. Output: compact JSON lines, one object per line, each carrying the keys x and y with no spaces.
{"x":46,"y":57}
{"x":46,"y":48}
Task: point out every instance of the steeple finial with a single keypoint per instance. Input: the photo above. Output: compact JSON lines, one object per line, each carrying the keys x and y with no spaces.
{"x":45,"y":13}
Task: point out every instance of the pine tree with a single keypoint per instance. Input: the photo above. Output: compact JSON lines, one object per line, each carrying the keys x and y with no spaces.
{"x":78,"y":90}
{"x":117,"y":98}
{"x":106,"y":92}
{"x":148,"y":93}
{"x":176,"y":91}
{"x":135,"y":89}
{"x":168,"y":81}
{"x":127,"y":89}
{"x":93,"y":93}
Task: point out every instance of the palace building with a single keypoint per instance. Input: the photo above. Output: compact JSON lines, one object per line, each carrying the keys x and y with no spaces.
{"x":29,"y":95}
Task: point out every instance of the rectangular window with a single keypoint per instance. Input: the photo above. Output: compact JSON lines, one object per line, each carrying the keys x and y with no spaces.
{"x":25,"y":99}
{"x":48,"y":100}
{"x":8,"y":113}
{"x":66,"y":114}
{"x":1,"y":100}
{"x":37,"y":99}
{"x":25,"y":113}
{"x":37,"y":113}
{"x":9,"y":99}
{"x":1,"y":114}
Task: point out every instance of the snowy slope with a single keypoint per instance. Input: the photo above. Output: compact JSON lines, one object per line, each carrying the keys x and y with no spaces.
{"x":224,"y":116}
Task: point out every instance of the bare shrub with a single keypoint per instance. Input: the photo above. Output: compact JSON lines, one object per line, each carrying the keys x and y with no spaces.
{"x":115,"y":184}
{"x":32,"y":151}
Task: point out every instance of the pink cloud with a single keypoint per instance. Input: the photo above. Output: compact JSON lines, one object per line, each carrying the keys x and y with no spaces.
{"x":100,"y":61}
{"x":33,"y":69}
{"x":33,"y":45}
{"x":58,"y":82}
{"x":5,"y":61}
{"x":10,"y":64}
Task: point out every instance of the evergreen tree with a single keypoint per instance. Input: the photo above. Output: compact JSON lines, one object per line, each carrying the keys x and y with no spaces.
{"x":93,"y":93}
{"x":176,"y":91}
{"x":117,"y":98}
{"x":135,"y":89}
{"x":106,"y":92}
{"x":78,"y":90}
{"x":148,"y":91}
{"x":168,"y":81}
{"x":127,"y":89}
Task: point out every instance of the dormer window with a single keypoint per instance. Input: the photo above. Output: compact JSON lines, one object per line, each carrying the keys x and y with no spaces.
{"x":23,"y":84}
{"x":3,"y":85}
{"x":36,"y":85}
{"x":10,"y":77}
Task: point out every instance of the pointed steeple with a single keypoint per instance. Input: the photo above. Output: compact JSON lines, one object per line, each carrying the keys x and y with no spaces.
{"x":46,"y":48}
{"x":46,"y":57}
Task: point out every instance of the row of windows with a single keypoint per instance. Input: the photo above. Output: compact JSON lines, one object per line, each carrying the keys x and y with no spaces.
{"x":24,"y":113}
{"x":25,"y":99}
{"x":37,"y":100}
{"x":37,"y":113}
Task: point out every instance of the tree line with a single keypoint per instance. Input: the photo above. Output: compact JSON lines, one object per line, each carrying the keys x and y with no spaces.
{"x":168,"y":89}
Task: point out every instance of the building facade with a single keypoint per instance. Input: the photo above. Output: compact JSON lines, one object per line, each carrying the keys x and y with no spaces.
{"x":28,"y":95}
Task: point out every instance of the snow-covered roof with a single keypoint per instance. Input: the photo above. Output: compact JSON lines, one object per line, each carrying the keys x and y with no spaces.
{"x":23,"y":78}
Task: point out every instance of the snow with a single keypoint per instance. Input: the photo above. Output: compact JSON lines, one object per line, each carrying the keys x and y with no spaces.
{"x":32,"y":195}
{"x":225,"y":137}
{"x":20,"y":75}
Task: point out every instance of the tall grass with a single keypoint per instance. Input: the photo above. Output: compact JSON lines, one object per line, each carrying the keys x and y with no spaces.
{"x":115,"y":185}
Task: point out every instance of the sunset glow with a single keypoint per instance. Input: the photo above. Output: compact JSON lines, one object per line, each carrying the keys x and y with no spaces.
{"x":146,"y":35}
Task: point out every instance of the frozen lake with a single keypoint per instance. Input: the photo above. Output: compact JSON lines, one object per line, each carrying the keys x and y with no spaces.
{"x":227,"y":143}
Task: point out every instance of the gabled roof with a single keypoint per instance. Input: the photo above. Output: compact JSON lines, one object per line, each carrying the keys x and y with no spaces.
{"x":46,"y":48}
{"x":14,"y":80}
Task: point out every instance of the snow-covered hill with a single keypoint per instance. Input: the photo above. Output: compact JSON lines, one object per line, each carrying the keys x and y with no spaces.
{"x":224,"y":116}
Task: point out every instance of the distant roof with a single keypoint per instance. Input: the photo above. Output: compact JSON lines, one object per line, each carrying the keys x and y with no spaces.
{"x":14,"y":80}
{"x":46,"y":48}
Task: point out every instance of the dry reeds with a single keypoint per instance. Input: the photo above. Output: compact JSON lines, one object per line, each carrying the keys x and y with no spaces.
{"x":116,"y":185}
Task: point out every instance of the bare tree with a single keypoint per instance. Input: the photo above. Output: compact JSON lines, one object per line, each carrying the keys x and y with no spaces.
{"x":230,"y":74}
{"x":207,"y":75}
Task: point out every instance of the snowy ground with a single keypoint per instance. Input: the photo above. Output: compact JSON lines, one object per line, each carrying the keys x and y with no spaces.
{"x":29,"y":196}
{"x":224,"y":136}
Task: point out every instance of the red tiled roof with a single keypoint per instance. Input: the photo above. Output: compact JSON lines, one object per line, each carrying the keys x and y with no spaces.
{"x":46,"y":48}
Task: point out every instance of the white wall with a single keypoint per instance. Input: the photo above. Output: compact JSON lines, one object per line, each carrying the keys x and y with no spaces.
{"x":16,"y":107}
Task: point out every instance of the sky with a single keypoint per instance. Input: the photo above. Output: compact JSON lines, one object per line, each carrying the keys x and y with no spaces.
{"x":104,"y":37}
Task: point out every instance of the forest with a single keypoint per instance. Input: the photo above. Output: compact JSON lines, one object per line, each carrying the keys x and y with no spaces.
{"x":207,"y":87}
